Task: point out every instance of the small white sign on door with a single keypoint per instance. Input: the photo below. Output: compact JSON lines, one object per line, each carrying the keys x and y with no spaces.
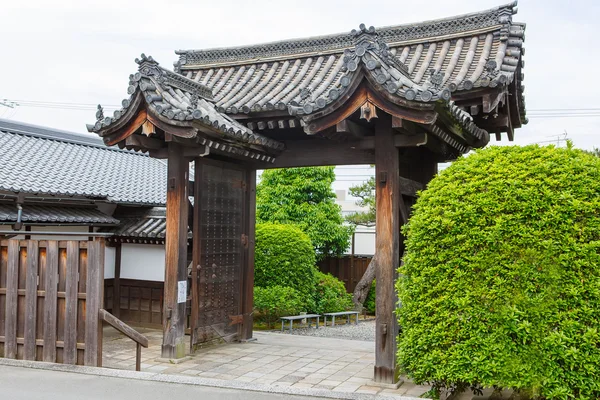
{"x":181,"y":291}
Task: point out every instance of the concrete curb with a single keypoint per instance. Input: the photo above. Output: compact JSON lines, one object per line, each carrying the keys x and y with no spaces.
{"x":191,"y":380}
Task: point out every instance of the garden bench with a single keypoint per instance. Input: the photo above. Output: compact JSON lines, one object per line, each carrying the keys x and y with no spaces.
{"x":297,"y":317}
{"x":337,"y":314}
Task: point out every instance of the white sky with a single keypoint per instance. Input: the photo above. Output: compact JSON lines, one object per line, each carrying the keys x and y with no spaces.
{"x":83,"y":51}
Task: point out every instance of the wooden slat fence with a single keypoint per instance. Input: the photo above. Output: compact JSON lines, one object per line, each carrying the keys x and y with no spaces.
{"x":346,"y":269}
{"x":50,"y":296}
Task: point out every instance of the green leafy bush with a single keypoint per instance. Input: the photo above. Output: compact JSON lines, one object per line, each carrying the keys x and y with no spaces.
{"x":331,"y":295}
{"x":370,"y":300}
{"x":501,"y":278}
{"x":304,"y":197}
{"x":276,"y":301}
{"x":284,"y":256}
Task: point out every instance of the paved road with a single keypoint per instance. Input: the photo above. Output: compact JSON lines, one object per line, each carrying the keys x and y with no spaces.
{"x":18,"y":383}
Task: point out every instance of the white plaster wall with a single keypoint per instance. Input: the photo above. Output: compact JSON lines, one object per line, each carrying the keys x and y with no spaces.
{"x":109,"y":262}
{"x":143,"y":261}
{"x":364,"y":241}
{"x":10,"y":228}
{"x":59,"y":229}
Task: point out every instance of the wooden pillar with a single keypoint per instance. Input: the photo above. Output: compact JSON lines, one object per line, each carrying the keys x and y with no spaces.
{"x":387,"y":242}
{"x":174,"y":345}
{"x":248,"y":266}
{"x":116,"y":309}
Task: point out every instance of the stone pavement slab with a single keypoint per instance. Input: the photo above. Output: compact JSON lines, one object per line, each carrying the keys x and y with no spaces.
{"x":274,"y":360}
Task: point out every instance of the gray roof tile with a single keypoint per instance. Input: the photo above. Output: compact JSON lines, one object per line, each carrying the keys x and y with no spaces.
{"x":182,"y":102}
{"x":55,"y":215}
{"x":459,"y":54}
{"x":44,"y":161}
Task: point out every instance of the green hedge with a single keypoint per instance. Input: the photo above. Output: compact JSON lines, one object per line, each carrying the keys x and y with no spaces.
{"x":276,"y":301}
{"x":284,"y":256}
{"x":370,"y":300}
{"x":501,"y":281}
{"x":331,"y":295}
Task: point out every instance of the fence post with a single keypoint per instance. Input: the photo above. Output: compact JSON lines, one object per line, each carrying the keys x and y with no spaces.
{"x":94,"y":300}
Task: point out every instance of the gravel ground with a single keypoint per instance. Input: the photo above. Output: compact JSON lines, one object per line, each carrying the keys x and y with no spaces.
{"x":365,"y":330}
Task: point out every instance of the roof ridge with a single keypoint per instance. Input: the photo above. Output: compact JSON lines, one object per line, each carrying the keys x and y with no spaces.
{"x":57,"y":135}
{"x":395,"y":33}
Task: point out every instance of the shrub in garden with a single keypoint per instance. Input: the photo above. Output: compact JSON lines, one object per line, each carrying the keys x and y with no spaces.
{"x":331,"y":295}
{"x":284,"y":256}
{"x":370,"y":300}
{"x":273,"y":302}
{"x":501,"y":279}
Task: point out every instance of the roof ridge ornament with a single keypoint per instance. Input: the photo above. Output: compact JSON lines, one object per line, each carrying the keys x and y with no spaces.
{"x":149,"y":68}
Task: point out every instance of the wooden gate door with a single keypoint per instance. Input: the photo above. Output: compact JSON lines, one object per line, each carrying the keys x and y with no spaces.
{"x":50,"y":296}
{"x":220,"y":211}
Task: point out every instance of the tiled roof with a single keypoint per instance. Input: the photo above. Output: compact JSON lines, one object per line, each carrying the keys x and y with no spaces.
{"x":45,"y":161}
{"x":454,"y":54}
{"x":140,"y":223}
{"x":55,"y":215}
{"x":181,"y":102}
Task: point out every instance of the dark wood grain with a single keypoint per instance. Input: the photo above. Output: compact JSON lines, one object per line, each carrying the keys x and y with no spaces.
{"x":12,"y":282}
{"x":122,"y":327}
{"x":70,"y":333}
{"x":387,"y":242}
{"x":29,"y":347}
{"x":175,"y":253}
{"x":50,"y":298}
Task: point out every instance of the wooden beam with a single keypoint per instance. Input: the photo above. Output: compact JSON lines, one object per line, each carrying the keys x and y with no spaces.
{"x":408,"y":187}
{"x":399,"y":140}
{"x":490,"y":102}
{"x":332,"y":115}
{"x":174,"y":346}
{"x":389,"y":205}
{"x":127,"y":130}
{"x":144,"y":143}
{"x":122,"y":327}
{"x":352,"y":128}
{"x":161,"y":154}
{"x":315,"y":152}
{"x":197,"y":151}
{"x":116,"y":309}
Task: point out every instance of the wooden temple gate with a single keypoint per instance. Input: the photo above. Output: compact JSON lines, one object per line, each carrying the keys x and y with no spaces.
{"x":403,"y":98}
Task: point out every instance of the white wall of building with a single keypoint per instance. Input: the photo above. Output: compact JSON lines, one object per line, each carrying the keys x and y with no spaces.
{"x":143,"y":261}
{"x":109,"y":262}
{"x":364,"y":241}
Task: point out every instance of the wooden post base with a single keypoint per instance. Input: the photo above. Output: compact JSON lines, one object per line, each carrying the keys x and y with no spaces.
{"x":174,"y":352}
{"x":385,"y":375}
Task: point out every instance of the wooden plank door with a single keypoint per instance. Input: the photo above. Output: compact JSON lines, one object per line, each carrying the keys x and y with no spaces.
{"x":218,"y":254}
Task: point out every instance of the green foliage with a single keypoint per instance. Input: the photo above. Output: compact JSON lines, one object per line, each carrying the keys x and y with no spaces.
{"x":370,"y":300}
{"x":304,"y":197}
{"x":366,"y":198}
{"x":284,"y":256}
{"x":331,"y":295}
{"x":501,"y":278}
{"x":273,"y":302}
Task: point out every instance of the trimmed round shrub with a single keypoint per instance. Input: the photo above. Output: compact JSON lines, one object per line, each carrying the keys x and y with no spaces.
{"x":276,"y":301}
{"x":284,"y":256}
{"x":331,"y":295}
{"x":501,"y":278}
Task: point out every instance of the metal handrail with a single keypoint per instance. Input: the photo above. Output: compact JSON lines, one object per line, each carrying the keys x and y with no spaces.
{"x":128,"y":331}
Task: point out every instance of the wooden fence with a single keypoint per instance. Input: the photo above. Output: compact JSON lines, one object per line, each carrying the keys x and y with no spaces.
{"x":348,"y":269}
{"x":50,"y":296}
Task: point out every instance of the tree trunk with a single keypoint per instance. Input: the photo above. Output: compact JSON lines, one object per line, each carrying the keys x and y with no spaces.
{"x":364,"y":285}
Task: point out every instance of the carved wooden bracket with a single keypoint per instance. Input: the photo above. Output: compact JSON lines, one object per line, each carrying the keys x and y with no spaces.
{"x":368,"y":111}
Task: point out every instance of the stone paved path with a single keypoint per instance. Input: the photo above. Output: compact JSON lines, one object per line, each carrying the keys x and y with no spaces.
{"x":273,"y":359}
